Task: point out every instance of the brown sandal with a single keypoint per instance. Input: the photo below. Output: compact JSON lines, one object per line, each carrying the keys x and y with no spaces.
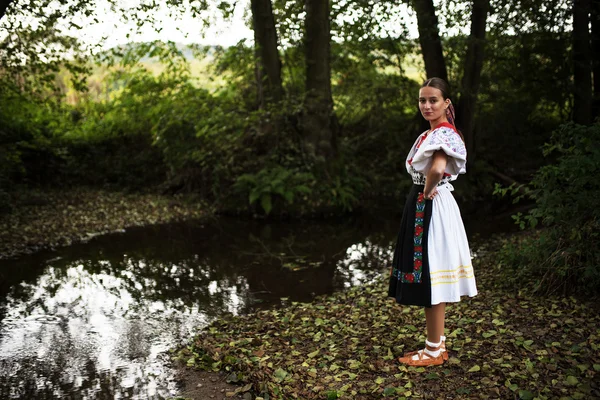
{"x":424,"y":359}
{"x":443,"y":348}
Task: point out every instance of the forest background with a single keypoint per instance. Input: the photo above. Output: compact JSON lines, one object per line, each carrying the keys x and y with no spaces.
{"x":316,"y":116}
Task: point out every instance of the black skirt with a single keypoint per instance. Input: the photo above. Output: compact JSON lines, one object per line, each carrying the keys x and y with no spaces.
{"x":410,"y":281}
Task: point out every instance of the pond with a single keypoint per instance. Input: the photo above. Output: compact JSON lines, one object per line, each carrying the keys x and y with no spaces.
{"x":96,"y":320}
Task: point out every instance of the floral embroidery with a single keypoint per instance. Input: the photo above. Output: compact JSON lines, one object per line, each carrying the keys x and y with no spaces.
{"x":447,"y":137}
{"x":443,"y":137}
{"x":415,"y":275}
{"x":418,"y":178}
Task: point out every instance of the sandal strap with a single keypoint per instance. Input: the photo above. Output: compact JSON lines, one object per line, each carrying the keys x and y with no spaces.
{"x":433,"y":348}
{"x":422,"y":354}
{"x":421,"y":361}
{"x":412,"y":353}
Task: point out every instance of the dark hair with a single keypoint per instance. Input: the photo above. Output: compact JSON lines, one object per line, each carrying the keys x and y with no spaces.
{"x":440,"y":84}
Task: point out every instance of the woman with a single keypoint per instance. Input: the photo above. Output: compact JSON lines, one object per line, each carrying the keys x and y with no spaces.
{"x":432,"y":261}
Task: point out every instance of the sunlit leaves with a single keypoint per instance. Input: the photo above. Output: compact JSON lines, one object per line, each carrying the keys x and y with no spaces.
{"x":41,"y":36}
{"x":36,"y":42}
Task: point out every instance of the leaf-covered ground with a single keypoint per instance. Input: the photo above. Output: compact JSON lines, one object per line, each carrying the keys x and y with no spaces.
{"x":502,"y":345}
{"x":55,"y":218}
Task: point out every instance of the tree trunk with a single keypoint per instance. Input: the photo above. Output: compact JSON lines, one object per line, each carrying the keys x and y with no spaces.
{"x":3,"y":6}
{"x":595,"y":17}
{"x":472,"y":73}
{"x":582,"y":63}
{"x":268,"y":64}
{"x":318,"y":121}
{"x":429,"y":38}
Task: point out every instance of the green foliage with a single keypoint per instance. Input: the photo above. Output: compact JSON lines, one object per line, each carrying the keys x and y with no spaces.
{"x":198,"y":134}
{"x":30,"y":152}
{"x":237,"y":64}
{"x":146,"y":123}
{"x":112,"y":141}
{"x":344,"y":191}
{"x":517,"y":107}
{"x":364,"y":91}
{"x":270,"y":184}
{"x":565,"y":253}
{"x":343,"y":195}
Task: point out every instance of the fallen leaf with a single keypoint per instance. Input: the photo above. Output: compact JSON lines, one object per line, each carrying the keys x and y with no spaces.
{"x":475,"y":368}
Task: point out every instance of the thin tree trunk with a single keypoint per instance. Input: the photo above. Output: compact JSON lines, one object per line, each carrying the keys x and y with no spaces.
{"x":582,"y":63}
{"x":472,"y":74}
{"x":3,"y":6}
{"x":429,"y":38}
{"x":595,"y":17}
{"x":268,"y":64}
{"x":318,"y":121}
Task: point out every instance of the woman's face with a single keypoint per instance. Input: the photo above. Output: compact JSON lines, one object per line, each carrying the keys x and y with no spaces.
{"x":432,"y":105}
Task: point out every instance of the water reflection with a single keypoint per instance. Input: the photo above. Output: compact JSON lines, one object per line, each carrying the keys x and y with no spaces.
{"x":95,"y":320}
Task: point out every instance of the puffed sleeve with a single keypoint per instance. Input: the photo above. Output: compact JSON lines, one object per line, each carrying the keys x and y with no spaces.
{"x":447,"y":140}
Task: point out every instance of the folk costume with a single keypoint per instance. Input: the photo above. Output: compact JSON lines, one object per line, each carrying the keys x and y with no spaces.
{"x":432,"y":261}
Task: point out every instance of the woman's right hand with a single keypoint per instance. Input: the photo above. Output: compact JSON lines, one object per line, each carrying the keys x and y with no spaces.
{"x":431,"y":195}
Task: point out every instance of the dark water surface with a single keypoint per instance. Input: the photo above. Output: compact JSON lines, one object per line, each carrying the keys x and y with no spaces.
{"x":95,"y":320}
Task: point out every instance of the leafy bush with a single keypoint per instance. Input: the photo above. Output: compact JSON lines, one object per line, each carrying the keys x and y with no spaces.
{"x":565,"y":253}
{"x":30,"y":150}
{"x":201,"y":138}
{"x":272,"y":184}
{"x":112,"y":141}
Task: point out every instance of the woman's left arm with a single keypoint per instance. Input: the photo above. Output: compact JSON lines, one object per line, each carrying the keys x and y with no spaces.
{"x":435,"y":174}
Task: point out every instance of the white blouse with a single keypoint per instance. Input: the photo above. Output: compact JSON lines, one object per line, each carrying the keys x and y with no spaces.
{"x":445,"y":138}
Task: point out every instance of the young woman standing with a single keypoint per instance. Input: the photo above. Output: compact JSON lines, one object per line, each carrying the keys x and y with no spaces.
{"x":432,"y":261}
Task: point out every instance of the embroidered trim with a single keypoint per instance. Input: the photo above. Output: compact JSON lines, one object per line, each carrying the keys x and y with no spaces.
{"x":449,"y":276}
{"x":447,"y":125}
{"x":459,"y":268}
{"x":419,"y":143}
{"x":419,"y":179}
{"x":416,"y":274}
{"x":447,"y":138}
{"x":454,"y":281}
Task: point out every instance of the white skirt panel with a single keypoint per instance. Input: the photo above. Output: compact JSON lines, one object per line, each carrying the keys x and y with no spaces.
{"x":448,"y":251}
